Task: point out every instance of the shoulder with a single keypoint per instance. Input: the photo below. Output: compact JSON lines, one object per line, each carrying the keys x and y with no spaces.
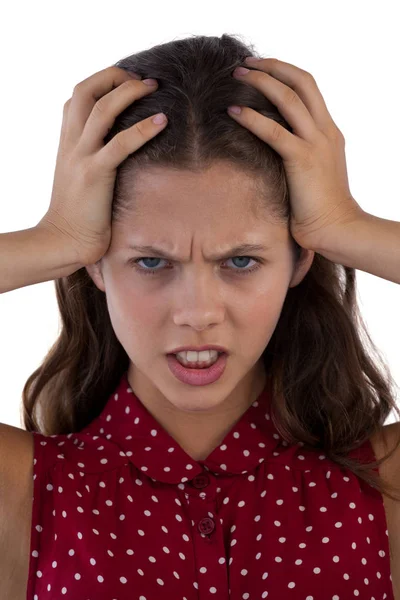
{"x":16,"y":490}
{"x":16,"y":456}
{"x":383,"y":442}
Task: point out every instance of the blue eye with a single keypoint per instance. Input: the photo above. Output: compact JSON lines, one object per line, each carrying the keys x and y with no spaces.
{"x":152,"y":271}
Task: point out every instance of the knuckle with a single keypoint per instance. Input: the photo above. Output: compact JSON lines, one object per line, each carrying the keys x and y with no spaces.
{"x":130,"y":83}
{"x":118,"y":143}
{"x":101,"y":106}
{"x":113,"y":69}
{"x":251,"y":118}
{"x":276,"y":131}
{"x":129,"y":86}
{"x":308,"y":77}
{"x":290,"y":97}
{"x":140,"y":129}
{"x":78,"y":88}
{"x":335,"y":134}
{"x":339,"y":136}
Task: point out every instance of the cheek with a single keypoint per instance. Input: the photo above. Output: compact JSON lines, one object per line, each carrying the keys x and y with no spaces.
{"x":262,"y":311}
{"x":133,"y":315}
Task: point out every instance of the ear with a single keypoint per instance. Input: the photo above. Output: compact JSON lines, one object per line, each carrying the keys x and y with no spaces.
{"x":302,"y":267}
{"x":96,"y":273}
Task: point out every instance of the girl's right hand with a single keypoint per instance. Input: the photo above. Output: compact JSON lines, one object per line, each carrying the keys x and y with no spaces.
{"x":84,"y":179}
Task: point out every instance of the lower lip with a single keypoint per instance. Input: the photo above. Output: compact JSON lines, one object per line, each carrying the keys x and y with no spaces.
{"x":197,"y":376}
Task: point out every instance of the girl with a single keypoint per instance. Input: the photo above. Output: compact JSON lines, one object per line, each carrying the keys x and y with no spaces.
{"x":210,"y":418}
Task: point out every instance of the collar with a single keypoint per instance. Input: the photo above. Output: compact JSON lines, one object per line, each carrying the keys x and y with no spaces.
{"x":149,"y":447}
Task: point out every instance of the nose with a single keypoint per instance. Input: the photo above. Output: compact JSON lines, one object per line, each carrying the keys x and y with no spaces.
{"x":199,"y":304}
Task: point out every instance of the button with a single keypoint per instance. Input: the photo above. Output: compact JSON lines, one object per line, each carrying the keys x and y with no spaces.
{"x":201,"y":481}
{"x":206,"y":526}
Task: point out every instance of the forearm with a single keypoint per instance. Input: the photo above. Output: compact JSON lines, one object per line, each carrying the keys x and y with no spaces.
{"x":370,"y":244}
{"x":32,"y":256}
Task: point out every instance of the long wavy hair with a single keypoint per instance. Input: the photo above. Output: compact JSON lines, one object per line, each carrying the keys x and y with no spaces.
{"x":331,"y":388}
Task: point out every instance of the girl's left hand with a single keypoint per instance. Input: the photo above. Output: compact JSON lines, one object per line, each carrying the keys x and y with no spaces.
{"x":313,"y":155}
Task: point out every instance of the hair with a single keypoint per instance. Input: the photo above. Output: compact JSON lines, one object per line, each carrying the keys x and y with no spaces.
{"x":331,"y":388}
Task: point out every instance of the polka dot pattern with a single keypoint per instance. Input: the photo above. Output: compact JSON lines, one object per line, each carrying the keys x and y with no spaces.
{"x":121,"y":512}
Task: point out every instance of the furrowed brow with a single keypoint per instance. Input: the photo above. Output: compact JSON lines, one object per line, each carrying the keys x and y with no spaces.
{"x":242,"y":249}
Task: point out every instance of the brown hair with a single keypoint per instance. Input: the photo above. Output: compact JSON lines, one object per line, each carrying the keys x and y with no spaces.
{"x":328,"y":392}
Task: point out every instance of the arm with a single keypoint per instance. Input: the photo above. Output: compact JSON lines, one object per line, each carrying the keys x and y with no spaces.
{"x":32,"y":256}
{"x":369,"y":244}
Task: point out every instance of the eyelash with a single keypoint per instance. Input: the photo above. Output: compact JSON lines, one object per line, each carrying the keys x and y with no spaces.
{"x":134,"y":262}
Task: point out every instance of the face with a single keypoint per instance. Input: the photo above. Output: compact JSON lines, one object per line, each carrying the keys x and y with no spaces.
{"x":157,"y":304}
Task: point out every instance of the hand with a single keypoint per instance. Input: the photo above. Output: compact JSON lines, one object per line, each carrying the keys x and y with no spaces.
{"x":313,"y":156}
{"x":83,"y":187}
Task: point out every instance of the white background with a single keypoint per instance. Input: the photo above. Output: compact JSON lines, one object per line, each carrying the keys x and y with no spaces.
{"x":351,"y":48}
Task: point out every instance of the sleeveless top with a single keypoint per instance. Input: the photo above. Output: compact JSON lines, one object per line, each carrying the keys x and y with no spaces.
{"x":121,"y":512}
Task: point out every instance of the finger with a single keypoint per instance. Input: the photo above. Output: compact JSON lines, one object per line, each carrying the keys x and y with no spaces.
{"x":85,"y":95}
{"x":285,"y":99}
{"x":303,"y":83}
{"x":125,"y":143}
{"x":268,"y":130}
{"x":105,"y":111}
{"x":65,"y":120}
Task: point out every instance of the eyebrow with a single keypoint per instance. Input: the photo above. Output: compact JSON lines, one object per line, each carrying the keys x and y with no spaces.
{"x":242,"y":249}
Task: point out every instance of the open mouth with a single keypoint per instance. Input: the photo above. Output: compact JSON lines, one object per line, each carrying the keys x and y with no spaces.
{"x":197,"y":364}
{"x":198,"y":373}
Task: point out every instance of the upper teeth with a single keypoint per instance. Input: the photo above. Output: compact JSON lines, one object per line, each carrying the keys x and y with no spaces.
{"x":192,"y":356}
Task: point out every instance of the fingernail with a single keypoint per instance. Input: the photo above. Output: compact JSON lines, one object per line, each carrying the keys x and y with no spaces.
{"x":133,"y":75}
{"x":241,"y":71}
{"x":159,"y":118}
{"x":234,"y":109}
{"x":252,"y":59}
{"x":150,"y":81}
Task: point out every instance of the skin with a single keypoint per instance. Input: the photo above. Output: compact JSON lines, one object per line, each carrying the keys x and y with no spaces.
{"x":189,"y":301}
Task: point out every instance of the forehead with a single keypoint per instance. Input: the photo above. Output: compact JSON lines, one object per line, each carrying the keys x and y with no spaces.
{"x":215,"y":209}
{"x":222,"y":191}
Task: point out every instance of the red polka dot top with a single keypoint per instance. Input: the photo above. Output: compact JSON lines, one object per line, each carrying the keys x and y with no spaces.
{"x":122,"y":512}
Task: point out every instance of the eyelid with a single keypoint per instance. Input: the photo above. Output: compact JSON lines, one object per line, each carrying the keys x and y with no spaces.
{"x":259,"y":262}
{"x":216,"y":260}
{"x":160,"y":257}
{"x":148,"y":251}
